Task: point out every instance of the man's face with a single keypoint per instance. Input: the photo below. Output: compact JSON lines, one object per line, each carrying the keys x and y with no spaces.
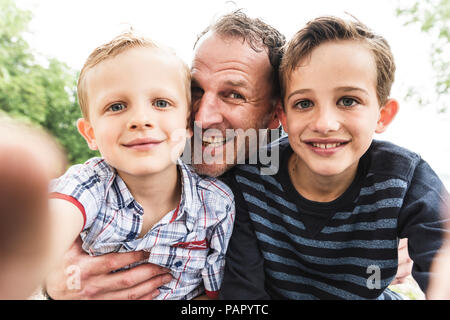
{"x":231,"y":89}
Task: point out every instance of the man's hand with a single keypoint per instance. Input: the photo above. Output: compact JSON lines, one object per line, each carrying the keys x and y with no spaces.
{"x":404,"y":263}
{"x":81,"y":276}
{"x":439,"y":287}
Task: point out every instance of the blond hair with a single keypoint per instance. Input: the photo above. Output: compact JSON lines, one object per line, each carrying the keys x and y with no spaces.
{"x":328,"y":28}
{"x":125,"y":41}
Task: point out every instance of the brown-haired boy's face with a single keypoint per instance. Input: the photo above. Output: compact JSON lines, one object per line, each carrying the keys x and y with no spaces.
{"x":331,"y":108}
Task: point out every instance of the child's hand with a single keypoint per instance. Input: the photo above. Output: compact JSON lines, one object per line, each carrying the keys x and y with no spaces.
{"x":84,"y":277}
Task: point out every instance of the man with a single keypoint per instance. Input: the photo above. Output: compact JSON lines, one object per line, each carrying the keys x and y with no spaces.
{"x":234,"y":86}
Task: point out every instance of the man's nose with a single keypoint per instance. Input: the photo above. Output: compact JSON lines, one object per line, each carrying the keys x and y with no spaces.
{"x":207,"y":111}
{"x":326,"y":119}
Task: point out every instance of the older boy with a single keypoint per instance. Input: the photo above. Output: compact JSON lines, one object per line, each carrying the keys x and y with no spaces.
{"x":135,"y":100}
{"x":327,"y":225}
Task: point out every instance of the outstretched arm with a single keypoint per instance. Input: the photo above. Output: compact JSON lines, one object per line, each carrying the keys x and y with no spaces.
{"x":66,"y":222}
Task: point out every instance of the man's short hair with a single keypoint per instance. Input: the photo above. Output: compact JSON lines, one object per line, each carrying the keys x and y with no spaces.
{"x":328,"y":28}
{"x":126,"y":40}
{"x":258,"y":34}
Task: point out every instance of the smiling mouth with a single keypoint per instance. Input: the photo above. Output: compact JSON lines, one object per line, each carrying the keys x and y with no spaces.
{"x":326,"y":145}
{"x":142,"y":143}
{"x":215,"y":141}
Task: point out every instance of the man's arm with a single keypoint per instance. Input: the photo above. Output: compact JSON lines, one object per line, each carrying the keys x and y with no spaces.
{"x":80,"y":276}
{"x":439,"y":288}
{"x":244,"y":277}
{"x":422,"y":222}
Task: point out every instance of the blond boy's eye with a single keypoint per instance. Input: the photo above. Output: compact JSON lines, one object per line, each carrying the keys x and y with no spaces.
{"x":161,"y":104}
{"x":117,"y":107}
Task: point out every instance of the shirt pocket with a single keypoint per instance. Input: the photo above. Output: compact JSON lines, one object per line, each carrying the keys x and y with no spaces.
{"x":189,"y":256}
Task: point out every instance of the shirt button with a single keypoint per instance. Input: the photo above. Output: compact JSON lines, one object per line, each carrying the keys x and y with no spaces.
{"x":178,"y":263}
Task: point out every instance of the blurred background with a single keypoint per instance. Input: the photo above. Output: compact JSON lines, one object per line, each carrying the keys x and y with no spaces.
{"x":43,"y":45}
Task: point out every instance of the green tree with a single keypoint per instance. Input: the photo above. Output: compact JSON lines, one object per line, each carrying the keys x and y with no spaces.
{"x":45,"y":95}
{"x":433,"y":18}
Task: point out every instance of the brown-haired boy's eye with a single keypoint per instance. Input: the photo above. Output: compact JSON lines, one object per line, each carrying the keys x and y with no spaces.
{"x":303,"y":104}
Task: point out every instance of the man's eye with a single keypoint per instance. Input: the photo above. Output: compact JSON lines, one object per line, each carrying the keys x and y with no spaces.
{"x":161,"y":104}
{"x":235,"y":95}
{"x":303,"y":104}
{"x":117,"y":107}
{"x":347,"y":102}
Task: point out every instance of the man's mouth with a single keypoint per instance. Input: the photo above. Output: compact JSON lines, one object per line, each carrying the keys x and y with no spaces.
{"x":215,"y":141}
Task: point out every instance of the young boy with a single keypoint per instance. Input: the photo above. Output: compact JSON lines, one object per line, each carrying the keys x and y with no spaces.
{"x":135,"y":100}
{"x":327,"y":225}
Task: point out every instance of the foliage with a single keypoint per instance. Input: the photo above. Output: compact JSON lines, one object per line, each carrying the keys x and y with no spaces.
{"x":433,"y":17}
{"x":44,"y":95}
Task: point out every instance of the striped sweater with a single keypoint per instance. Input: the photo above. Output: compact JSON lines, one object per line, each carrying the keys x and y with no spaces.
{"x":287,"y":247}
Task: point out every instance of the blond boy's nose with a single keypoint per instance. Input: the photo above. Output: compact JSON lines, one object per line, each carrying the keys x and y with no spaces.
{"x":140,"y":119}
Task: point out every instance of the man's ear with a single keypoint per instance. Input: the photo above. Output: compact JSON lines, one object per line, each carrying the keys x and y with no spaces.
{"x":274,"y":121}
{"x":86,"y":130}
{"x":387,"y":114}
{"x":282,"y":117}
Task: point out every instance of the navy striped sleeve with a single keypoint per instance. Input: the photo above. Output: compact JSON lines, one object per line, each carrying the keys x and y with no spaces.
{"x":244,"y":271}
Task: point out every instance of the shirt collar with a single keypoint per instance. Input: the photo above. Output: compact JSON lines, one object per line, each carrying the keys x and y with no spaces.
{"x":121,"y":197}
{"x":188,"y":191}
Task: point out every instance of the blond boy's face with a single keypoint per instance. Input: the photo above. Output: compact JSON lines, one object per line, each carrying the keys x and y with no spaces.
{"x":137,"y":111}
{"x":331,"y":108}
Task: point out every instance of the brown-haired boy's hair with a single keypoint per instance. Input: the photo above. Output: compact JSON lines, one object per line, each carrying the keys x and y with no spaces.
{"x":328,"y":28}
{"x":258,"y":34}
{"x":119,"y":44}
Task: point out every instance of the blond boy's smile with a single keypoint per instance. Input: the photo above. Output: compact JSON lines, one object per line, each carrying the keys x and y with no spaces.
{"x":143,"y":144}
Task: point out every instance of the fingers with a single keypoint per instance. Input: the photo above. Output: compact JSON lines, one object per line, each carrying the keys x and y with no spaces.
{"x":403,"y":243}
{"x":107,"y":263}
{"x":135,"y":276}
{"x":404,"y":263}
{"x":143,"y":291}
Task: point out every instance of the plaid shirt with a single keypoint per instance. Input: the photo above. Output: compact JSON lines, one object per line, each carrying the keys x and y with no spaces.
{"x":191,"y":240}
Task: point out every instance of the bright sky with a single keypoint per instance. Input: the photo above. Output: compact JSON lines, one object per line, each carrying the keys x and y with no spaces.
{"x":70,"y":29}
